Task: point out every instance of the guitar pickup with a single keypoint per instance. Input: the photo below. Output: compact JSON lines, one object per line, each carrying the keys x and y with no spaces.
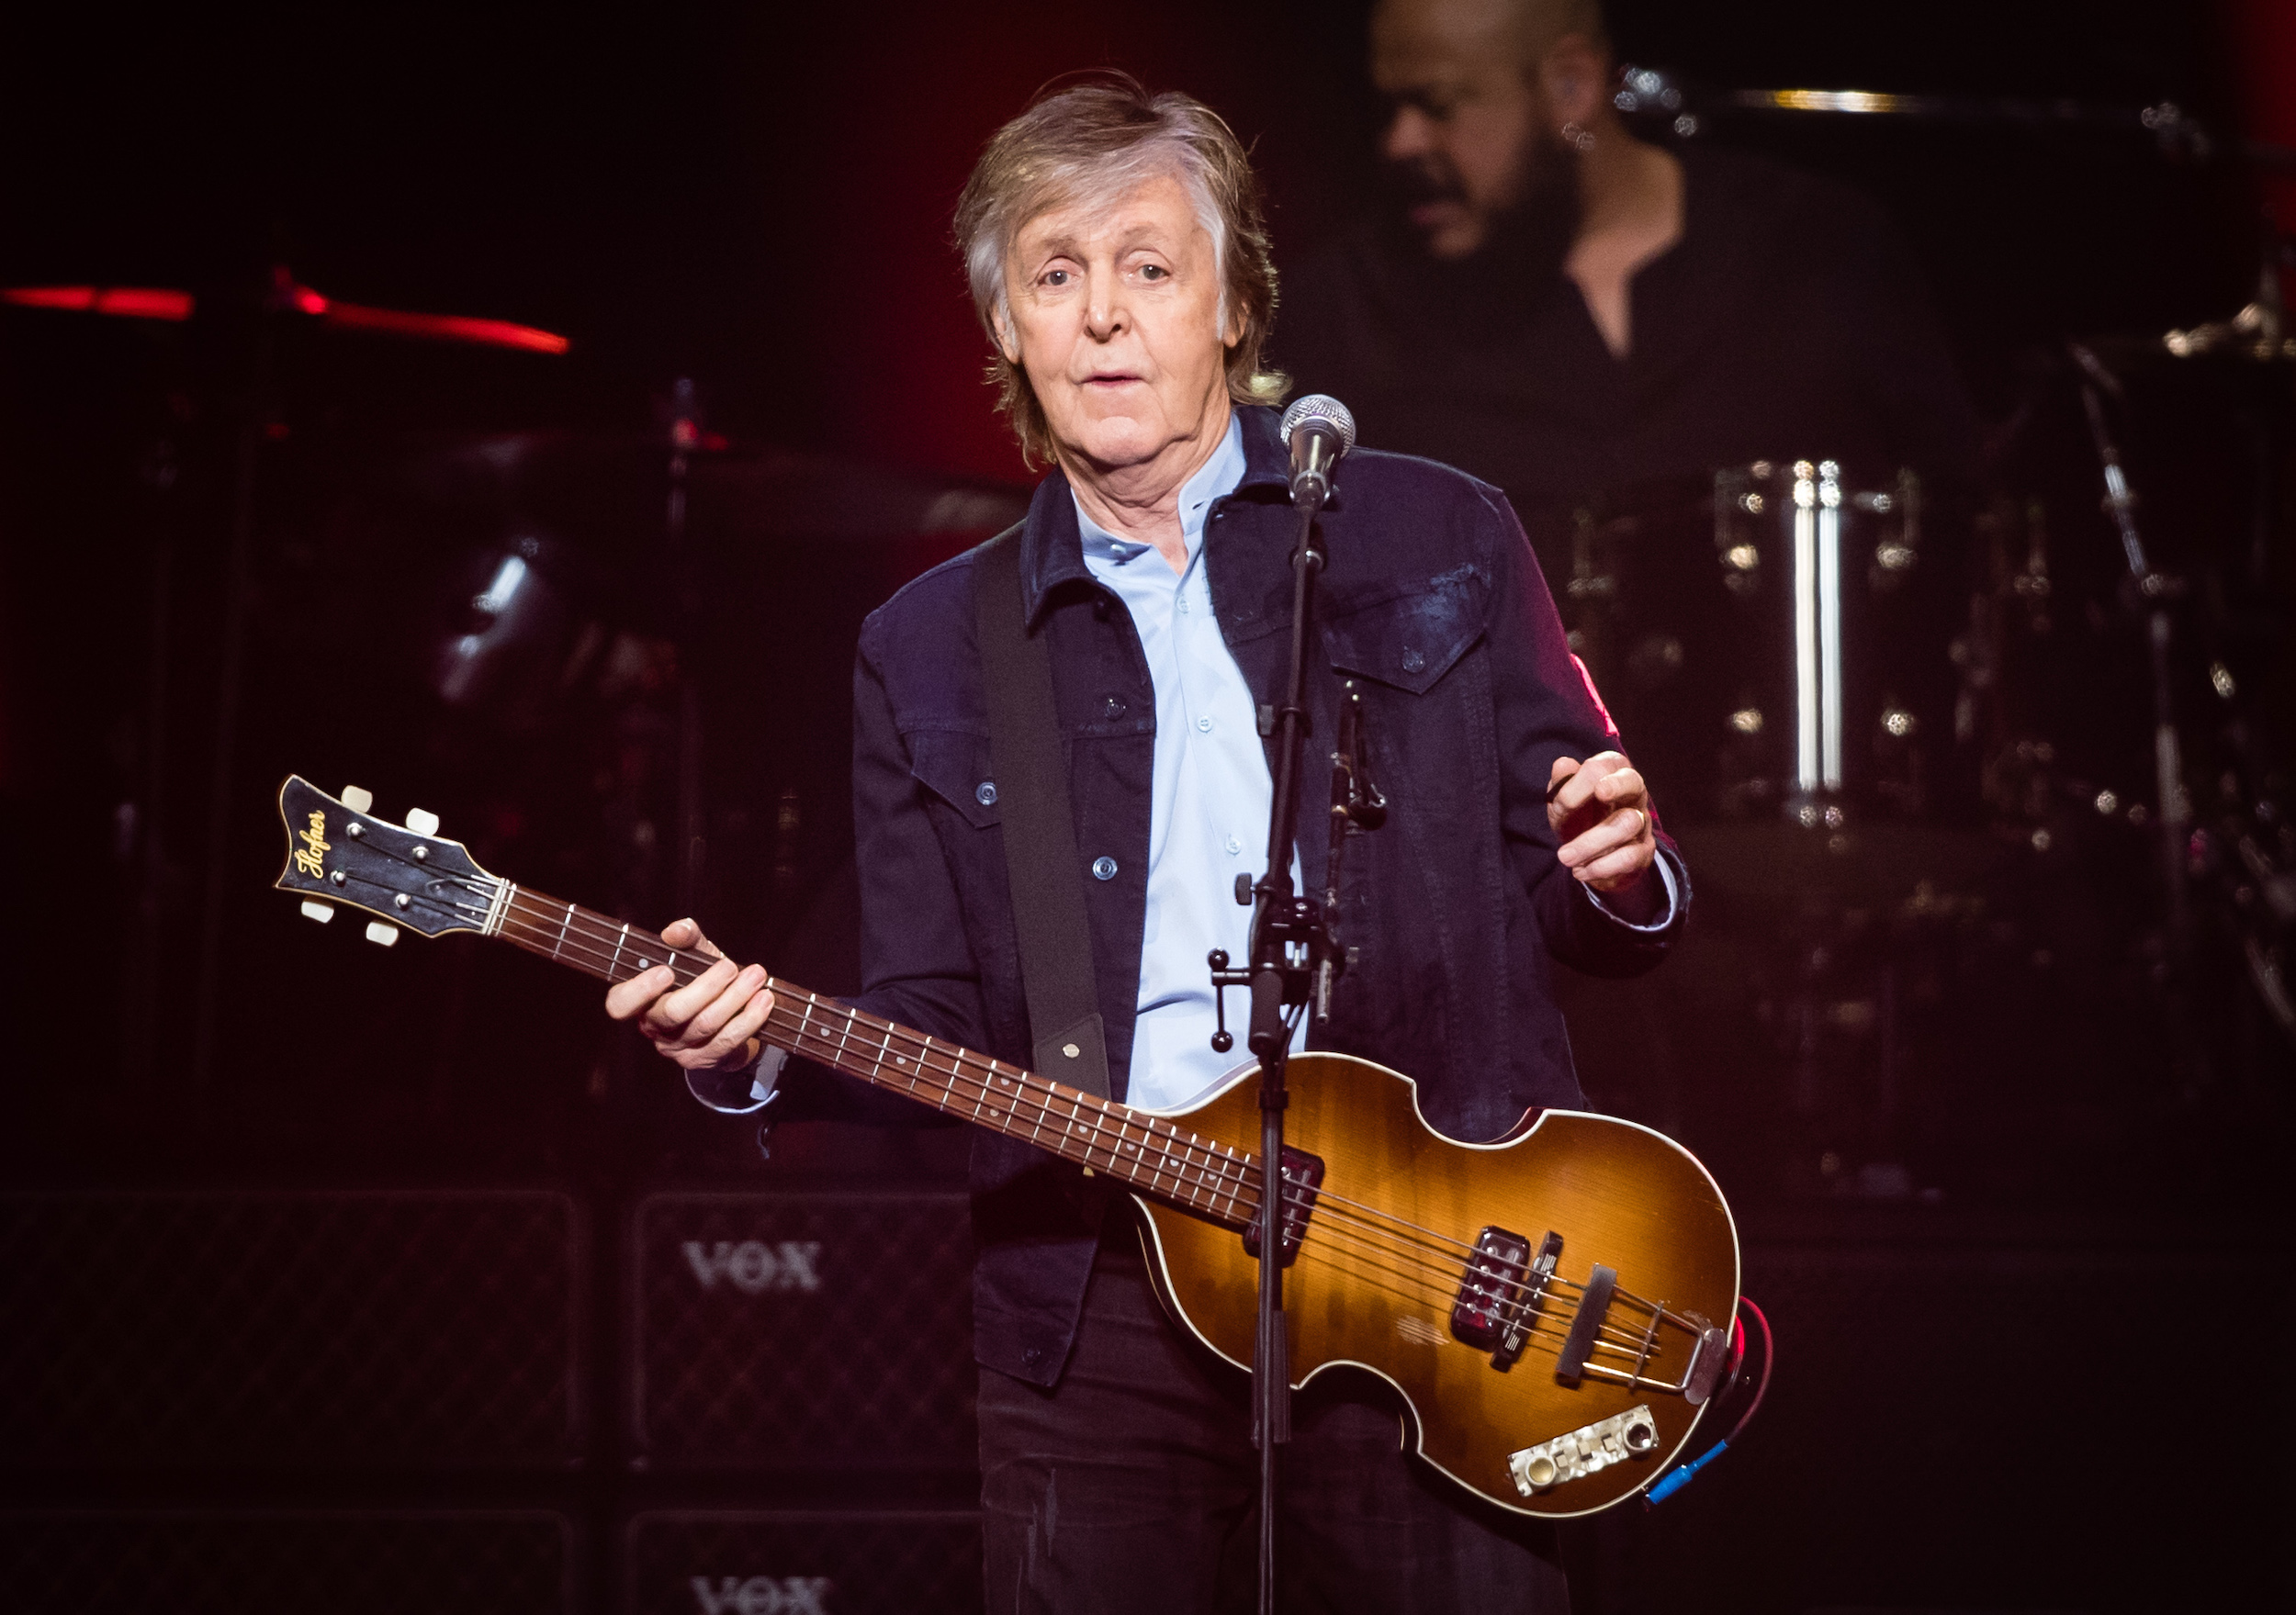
{"x":1502,"y":1290}
{"x":1303,"y":1177}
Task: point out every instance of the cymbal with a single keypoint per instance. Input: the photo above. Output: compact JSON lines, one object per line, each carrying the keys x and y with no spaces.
{"x":2256,"y":337}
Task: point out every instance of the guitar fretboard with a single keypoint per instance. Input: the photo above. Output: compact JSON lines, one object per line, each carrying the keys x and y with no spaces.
{"x":1148,"y":1153}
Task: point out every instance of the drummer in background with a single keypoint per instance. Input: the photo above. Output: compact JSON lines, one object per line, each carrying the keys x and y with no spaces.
{"x":1561,"y":308}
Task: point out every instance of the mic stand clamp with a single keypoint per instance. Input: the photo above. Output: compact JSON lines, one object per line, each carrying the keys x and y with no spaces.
{"x":1295,"y":958}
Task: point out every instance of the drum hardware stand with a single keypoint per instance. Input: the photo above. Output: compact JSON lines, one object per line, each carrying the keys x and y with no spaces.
{"x":1295,"y":958}
{"x":2155,"y":589}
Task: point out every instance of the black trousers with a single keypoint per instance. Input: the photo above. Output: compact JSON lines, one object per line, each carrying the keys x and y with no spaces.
{"x":1133,"y":1486}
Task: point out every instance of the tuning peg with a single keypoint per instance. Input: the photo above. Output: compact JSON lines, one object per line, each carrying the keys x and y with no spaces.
{"x":382,"y":936}
{"x":422,"y":822}
{"x":321,"y":911}
{"x":357,"y":798}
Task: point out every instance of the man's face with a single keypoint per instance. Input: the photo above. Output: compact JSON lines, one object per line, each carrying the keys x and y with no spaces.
{"x":1115,"y":316}
{"x":1467,"y":138}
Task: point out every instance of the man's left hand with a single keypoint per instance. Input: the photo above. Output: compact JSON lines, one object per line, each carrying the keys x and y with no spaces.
{"x":1600,"y":811}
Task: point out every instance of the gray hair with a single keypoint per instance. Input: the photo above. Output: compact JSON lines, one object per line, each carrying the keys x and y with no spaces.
{"x":1092,"y":143}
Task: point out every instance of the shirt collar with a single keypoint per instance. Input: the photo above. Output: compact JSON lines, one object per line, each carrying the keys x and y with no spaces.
{"x":1218,"y":475}
{"x":1050,"y":554}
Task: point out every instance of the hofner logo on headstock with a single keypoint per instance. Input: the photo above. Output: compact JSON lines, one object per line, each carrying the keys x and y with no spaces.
{"x":312,"y":857}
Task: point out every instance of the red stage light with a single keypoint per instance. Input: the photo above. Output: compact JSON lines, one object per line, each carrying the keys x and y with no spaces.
{"x":444,"y":328}
{"x":162,"y":303}
{"x":131,"y":302}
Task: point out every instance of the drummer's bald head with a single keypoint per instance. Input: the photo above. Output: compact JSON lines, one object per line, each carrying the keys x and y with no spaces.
{"x":1522,"y":31}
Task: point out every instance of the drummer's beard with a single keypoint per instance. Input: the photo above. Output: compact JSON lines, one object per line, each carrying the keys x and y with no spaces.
{"x":1523,"y":246}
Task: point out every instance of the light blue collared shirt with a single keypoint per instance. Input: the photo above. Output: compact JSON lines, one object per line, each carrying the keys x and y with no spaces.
{"x":1209,"y":796}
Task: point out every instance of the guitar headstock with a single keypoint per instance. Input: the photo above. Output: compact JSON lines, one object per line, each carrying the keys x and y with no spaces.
{"x":406,"y":874}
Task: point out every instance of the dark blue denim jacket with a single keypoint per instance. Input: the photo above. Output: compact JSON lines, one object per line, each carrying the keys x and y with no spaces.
{"x":1433,"y":602}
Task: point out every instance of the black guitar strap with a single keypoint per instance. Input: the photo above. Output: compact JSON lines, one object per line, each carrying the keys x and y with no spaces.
{"x":1040,"y":857}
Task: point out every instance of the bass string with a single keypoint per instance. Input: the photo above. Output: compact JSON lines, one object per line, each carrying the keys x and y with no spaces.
{"x":1516,"y":1311}
{"x":1232,"y":1169}
{"x":1190,"y":1181}
{"x":1374,"y":1238}
{"x":574,"y":938}
{"x":1201,"y":1157}
{"x":1238,"y":1176}
{"x":541,"y":927}
{"x":1451,"y":1245}
{"x":558,"y":922}
{"x":1536,"y":1326}
{"x":1526,"y":1313}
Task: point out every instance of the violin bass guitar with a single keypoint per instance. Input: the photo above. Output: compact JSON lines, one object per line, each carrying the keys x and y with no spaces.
{"x":1555,"y":1306}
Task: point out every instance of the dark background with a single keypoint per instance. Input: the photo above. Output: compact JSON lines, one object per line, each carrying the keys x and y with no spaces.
{"x":757,"y":199}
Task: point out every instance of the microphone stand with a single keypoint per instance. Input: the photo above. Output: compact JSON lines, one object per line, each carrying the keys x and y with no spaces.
{"x":1294,"y":957}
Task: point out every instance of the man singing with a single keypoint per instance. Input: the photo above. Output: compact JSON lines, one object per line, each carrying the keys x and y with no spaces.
{"x":1120,"y":266}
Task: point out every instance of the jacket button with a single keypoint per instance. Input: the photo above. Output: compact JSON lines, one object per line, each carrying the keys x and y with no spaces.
{"x":1104,"y":869}
{"x":1413,"y":661}
{"x":986,"y":794}
{"x":1112,"y":708}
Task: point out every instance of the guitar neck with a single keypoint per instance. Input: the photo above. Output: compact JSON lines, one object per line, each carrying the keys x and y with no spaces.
{"x":1149,"y":1153}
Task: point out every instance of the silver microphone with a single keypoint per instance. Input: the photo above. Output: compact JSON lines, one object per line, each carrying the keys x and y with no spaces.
{"x":1318,"y":430}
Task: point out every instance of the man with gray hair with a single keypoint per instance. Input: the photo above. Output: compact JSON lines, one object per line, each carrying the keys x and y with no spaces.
{"x":1554,"y":304}
{"x":1120,"y":266}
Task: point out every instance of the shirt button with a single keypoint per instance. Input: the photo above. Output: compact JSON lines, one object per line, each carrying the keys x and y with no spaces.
{"x":986,"y":794}
{"x":1204,"y":725}
{"x":1234,"y":845}
{"x":1112,"y":708}
{"x":1104,"y":869}
{"x":1413,"y":661}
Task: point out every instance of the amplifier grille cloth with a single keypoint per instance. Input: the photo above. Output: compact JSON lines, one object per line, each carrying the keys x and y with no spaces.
{"x":293,"y":1564}
{"x":805,"y":1563}
{"x":337,"y":1329}
{"x":804,"y":1330}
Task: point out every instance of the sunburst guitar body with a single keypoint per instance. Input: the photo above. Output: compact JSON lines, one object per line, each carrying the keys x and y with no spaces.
{"x":1387,"y":1263}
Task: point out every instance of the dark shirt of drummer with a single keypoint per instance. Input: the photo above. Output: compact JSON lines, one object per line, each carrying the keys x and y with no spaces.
{"x":1787,"y":322}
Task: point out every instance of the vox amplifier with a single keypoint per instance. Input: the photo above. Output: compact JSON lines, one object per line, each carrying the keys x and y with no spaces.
{"x":286,"y":1563}
{"x":804,"y":1564}
{"x":803,"y":1330}
{"x":335,"y":1330}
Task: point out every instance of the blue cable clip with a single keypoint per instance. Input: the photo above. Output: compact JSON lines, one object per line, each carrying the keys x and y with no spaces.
{"x":1668,"y":1485}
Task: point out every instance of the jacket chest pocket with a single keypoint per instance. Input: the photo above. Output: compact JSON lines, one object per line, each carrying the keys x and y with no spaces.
{"x":955,"y":769}
{"x":1409,"y":636}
